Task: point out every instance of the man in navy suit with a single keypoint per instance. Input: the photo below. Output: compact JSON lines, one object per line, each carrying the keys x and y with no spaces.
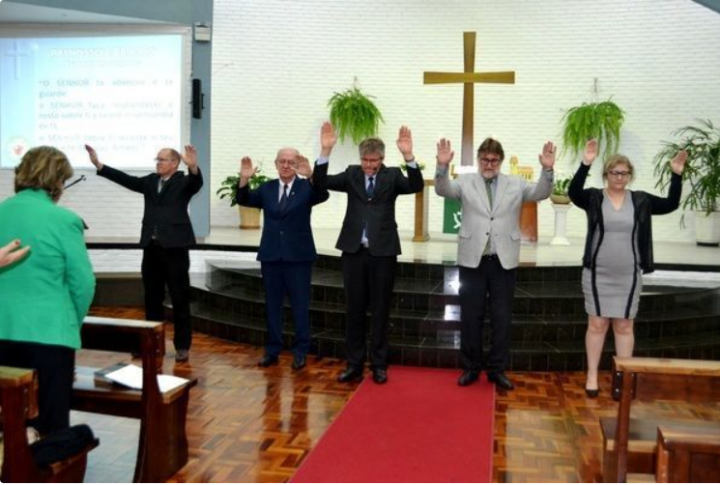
{"x":370,"y":244}
{"x":287,"y":248}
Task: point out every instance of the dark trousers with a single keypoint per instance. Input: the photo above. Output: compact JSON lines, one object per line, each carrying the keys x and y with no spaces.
{"x":294,"y":280}
{"x":369,"y":281}
{"x":168,"y":266}
{"x":493,"y":285}
{"x":55,"y":366}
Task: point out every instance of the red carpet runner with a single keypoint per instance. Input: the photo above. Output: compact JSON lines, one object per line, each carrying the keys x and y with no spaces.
{"x":419,"y":427}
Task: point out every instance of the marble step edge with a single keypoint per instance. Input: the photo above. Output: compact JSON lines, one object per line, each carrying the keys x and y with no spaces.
{"x":244,"y":295}
{"x":642,"y":348}
{"x":254,"y":323}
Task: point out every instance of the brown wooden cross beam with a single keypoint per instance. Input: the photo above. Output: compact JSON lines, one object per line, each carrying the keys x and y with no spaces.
{"x":469,"y":78}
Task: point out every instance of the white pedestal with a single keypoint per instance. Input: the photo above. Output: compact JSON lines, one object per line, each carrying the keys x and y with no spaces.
{"x":560,"y":225}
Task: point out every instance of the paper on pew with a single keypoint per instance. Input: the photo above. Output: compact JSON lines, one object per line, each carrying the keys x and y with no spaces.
{"x":132,"y":376}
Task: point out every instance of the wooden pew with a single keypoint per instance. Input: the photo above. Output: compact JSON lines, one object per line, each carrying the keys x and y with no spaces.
{"x":163,"y":444}
{"x":18,"y":398}
{"x":629,"y":445}
{"x":687,"y":457}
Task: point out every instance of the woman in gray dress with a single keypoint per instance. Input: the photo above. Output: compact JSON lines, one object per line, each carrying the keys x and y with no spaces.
{"x":618,"y":250}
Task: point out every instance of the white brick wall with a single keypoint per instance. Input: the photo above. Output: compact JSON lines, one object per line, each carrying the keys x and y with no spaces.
{"x":276,"y":63}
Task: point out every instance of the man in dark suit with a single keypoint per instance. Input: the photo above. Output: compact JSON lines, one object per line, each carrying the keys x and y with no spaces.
{"x":166,"y":236}
{"x":370,"y":245}
{"x":287,"y":248}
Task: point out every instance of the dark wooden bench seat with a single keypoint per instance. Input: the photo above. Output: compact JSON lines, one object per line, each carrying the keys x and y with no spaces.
{"x":18,"y":398}
{"x":630,"y":444}
{"x":163,"y":444}
{"x":688,"y":457}
{"x":642,"y":451}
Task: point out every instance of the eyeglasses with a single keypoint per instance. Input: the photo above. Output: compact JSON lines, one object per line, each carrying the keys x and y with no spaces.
{"x":371,"y":160}
{"x":160,"y":160}
{"x":490,"y":161}
{"x":286,"y":162}
{"x":618,"y":174}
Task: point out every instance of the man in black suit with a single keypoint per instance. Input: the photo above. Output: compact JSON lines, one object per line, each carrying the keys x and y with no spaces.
{"x":287,"y":248}
{"x":370,"y":245}
{"x":166,"y":236}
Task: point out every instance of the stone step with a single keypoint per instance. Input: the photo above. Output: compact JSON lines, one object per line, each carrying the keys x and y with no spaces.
{"x":442,"y":350}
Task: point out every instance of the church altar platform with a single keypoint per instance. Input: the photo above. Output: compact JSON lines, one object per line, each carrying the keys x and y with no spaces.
{"x":679,"y":313}
{"x":442,"y":249}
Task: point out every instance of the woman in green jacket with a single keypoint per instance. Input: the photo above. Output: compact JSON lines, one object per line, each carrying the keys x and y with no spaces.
{"x":45,"y":295}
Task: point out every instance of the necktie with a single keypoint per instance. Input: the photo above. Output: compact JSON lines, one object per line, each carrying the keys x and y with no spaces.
{"x":284,"y":198}
{"x":488,"y":187}
{"x":161,"y":185}
{"x":370,"y":188}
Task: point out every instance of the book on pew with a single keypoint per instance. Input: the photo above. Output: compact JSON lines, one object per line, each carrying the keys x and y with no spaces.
{"x":130,"y":375}
{"x":100,"y":375}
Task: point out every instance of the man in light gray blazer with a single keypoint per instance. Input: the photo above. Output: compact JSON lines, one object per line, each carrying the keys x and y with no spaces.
{"x":489,"y":250}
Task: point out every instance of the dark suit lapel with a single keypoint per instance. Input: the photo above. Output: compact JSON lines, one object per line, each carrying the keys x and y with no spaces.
{"x":358,"y":180}
{"x":294,"y":191}
{"x":382,"y":181}
{"x":166,"y":186}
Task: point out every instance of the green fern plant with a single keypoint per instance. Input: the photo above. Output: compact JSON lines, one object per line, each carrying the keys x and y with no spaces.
{"x":601,"y":121}
{"x":702,"y":168}
{"x":354,"y":114}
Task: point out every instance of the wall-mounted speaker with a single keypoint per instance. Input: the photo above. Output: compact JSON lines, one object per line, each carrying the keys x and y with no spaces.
{"x":197,"y":99}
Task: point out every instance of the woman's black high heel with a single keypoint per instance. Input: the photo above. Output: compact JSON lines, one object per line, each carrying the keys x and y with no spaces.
{"x":593,"y":393}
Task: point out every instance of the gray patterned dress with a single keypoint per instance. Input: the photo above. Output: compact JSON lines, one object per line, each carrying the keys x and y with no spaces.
{"x":612,"y":289}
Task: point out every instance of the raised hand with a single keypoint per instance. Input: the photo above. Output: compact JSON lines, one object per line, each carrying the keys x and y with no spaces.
{"x":246,"y":171}
{"x":328,"y":138}
{"x":547,"y":157}
{"x":591,"y":152}
{"x":93,"y":157}
{"x":445,"y":153}
{"x":190,"y":156}
{"x":10,"y":253}
{"x":302,"y":166}
{"x":405,"y":143}
{"x":677,"y":164}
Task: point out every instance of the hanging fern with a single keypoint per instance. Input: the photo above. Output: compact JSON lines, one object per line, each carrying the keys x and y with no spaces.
{"x":354,"y":114}
{"x":601,"y":121}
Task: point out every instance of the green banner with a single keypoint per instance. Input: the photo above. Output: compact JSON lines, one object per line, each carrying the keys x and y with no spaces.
{"x":453,"y":216}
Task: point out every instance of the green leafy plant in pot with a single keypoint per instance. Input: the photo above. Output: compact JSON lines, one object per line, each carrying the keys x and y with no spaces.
{"x":354,"y":115}
{"x":701,"y":192}
{"x":601,"y":121}
{"x":249,"y":216}
{"x":559,"y":194}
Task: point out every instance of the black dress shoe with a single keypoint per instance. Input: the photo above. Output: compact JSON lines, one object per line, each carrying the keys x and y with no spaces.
{"x":501,"y":381}
{"x":351,"y":374}
{"x":298,"y":362}
{"x":468,"y":377}
{"x":268,"y":360}
{"x":379,"y":376}
{"x":592,"y":393}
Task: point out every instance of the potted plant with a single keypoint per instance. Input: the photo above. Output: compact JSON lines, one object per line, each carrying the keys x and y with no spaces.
{"x":601,"y":121}
{"x":559,"y":194}
{"x":702,"y":174}
{"x":354,"y":114}
{"x":249,"y":216}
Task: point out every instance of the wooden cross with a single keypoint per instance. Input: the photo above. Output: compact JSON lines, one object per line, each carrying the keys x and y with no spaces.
{"x":469,"y":78}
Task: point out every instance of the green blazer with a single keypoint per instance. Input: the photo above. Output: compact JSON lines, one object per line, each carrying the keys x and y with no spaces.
{"x":45,"y":296}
